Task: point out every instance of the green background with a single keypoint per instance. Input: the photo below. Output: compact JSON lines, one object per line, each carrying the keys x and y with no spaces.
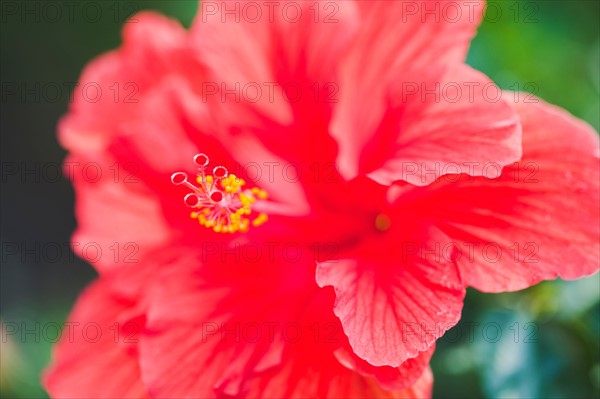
{"x":541,"y":342}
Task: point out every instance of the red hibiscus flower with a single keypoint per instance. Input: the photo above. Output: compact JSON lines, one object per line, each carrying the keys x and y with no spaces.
{"x":308,"y":198}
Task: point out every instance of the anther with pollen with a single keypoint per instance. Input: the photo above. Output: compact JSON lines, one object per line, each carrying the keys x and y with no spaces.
{"x":220,"y":201}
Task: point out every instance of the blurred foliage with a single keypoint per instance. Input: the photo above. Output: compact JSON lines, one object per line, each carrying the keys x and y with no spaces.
{"x":549,"y":48}
{"x":537,"y":343}
{"x":540,"y":342}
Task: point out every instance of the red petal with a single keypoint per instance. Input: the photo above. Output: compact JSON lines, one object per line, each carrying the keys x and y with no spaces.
{"x":463,"y":122}
{"x":201,"y":338}
{"x":539,"y":220}
{"x":412,"y":35}
{"x":284,"y":69}
{"x":186,"y":354}
{"x":111,"y":88}
{"x":397,"y":39}
{"x":390,"y":378}
{"x":119,"y":222}
{"x":421,"y":389}
{"x":323,"y":377}
{"x":396,"y":298}
{"x":97,"y":354}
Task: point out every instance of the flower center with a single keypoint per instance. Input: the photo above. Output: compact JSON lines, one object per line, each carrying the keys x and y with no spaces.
{"x":219,"y":201}
{"x":383,"y":222}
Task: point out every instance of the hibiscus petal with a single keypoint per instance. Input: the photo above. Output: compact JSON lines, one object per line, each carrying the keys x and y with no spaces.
{"x":324,"y":378}
{"x":310,"y":368}
{"x":539,"y":220}
{"x":118,"y":222}
{"x":396,"y":39}
{"x":276,"y":74}
{"x":395,"y":305}
{"x":111,"y":87}
{"x":421,"y":389}
{"x":457,"y":117}
{"x":271,"y":48}
{"x":261,"y":329}
{"x":201,"y":328}
{"x":412,"y":35}
{"x":97,"y":355}
{"x":390,"y":378}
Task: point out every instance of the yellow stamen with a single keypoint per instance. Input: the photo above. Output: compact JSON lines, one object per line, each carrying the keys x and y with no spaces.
{"x":221,"y":202}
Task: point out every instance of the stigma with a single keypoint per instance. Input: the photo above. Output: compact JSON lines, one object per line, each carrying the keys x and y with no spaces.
{"x":219,"y":200}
